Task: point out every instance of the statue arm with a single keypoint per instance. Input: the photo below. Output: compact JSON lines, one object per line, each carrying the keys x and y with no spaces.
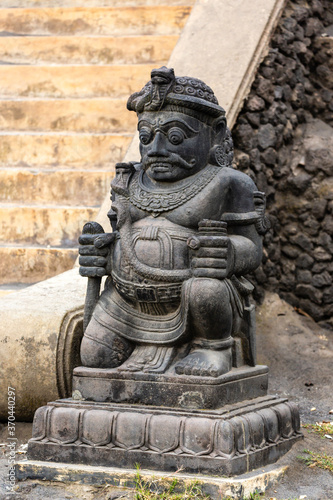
{"x":247,"y":249}
{"x":246,"y":223}
{"x":239,"y":250}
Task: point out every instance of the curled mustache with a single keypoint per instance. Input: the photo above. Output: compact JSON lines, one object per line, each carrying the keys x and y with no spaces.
{"x":172,"y":159}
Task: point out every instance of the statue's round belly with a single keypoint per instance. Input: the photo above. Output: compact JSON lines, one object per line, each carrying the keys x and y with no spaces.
{"x":157,"y":243}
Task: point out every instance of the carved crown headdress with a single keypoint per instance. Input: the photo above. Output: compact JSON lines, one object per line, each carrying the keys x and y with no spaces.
{"x":167,"y":91}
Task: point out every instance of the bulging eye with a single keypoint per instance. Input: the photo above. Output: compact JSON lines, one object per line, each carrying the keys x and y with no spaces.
{"x":145,"y":136}
{"x":176,"y":136}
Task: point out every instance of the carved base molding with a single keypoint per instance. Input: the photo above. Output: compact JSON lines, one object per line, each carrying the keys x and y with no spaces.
{"x":228,"y":441}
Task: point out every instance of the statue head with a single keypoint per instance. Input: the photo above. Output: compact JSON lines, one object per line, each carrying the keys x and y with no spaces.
{"x":181,"y":126}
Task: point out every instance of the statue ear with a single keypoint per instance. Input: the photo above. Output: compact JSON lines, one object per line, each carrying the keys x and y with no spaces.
{"x":221,"y":152}
{"x":219,"y":127}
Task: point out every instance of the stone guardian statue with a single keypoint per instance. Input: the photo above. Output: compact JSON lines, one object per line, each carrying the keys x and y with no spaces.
{"x":188,"y":228}
{"x":168,"y":377}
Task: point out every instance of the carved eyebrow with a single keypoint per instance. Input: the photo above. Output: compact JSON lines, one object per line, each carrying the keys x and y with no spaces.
{"x":176,"y":121}
{"x":147,"y":123}
{"x":179,"y":121}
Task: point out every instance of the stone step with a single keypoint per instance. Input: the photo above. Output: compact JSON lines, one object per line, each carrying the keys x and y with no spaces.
{"x":65,"y":187}
{"x":63,"y":125}
{"x":115,"y":21}
{"x":101,"y":115}
{"x":83,"y":81}
{"x":32,"y":263}
{"x":86,"y":50}
{"x":76,"y":150}
{"x":90,"y":3}
{"x":54,"y":225}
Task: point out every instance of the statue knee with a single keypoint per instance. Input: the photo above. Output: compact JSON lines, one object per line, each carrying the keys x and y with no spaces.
{"x":95,"y":355}
{"x":100,"y":348}
{"x":207,"y":294}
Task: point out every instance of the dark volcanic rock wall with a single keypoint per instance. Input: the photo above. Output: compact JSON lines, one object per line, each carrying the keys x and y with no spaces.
{"x":283,"y":139}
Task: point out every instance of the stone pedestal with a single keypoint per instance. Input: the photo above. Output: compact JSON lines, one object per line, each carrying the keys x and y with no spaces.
{"x":199,"y":426}
{"x":169,"y":389}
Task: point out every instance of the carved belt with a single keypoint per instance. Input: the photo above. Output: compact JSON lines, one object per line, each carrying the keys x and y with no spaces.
{"x":147,"y":293}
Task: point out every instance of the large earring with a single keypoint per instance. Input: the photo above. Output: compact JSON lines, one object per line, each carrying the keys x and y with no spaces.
{"x":218,"y":156}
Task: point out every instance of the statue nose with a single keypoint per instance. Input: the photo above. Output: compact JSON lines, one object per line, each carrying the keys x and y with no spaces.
{"x":157,"y":146}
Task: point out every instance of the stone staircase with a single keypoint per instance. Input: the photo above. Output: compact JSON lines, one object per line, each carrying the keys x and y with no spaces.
{"x":65,"y":75}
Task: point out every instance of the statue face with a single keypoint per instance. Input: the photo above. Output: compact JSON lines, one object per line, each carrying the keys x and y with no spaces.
{"x":173,"y":145}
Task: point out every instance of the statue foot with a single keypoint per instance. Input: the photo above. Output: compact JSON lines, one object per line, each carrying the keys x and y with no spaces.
{"x":205,"y":363}
{"x":149,"y":359}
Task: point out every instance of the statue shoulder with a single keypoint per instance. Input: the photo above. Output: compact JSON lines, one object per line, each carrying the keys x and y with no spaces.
{"x":238,"y":180}
{"x":240,"y":186}
{"x":244,"y":203}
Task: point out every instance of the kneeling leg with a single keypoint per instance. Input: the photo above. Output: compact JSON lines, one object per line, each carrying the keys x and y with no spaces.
{"x":101,"y":348}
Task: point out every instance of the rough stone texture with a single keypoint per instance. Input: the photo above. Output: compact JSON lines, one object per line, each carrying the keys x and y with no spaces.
{"x":283,"y":140}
